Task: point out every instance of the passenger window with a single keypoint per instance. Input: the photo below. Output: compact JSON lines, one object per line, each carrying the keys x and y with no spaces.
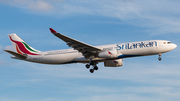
{"x":108,"y":48}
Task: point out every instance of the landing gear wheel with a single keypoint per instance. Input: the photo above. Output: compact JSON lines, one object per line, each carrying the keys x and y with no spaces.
{"x":91,"y":70}
{"x":92,"y":63}
{"x":95,"y":68}
{"x":87,"y":66}
{"x":159,"y":58}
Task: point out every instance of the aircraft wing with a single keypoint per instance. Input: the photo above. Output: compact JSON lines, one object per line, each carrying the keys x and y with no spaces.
{"x":85,"y":49}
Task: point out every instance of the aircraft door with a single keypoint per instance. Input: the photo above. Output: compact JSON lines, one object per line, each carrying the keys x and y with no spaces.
{"x":160,"y":44}
{"x":118,"y":51}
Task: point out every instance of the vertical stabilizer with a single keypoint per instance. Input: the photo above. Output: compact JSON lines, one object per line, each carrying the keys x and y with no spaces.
{"x":21,"y":46}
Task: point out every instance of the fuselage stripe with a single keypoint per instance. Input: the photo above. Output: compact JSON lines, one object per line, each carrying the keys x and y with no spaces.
{"x":17,"y":49}
{"x":27,"y":46}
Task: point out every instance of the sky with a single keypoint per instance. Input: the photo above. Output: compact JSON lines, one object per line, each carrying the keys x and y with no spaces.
{"x":96,"y":22}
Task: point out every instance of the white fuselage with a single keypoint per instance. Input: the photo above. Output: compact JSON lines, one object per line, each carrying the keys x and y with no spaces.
{"x":124,"y":50}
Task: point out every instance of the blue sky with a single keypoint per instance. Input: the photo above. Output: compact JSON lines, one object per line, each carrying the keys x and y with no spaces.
{"x":96,"y":22}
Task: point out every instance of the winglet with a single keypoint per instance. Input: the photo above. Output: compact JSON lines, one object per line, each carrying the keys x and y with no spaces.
{"x":52,"y":31}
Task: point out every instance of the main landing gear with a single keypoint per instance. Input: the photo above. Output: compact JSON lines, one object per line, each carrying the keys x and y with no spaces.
{"x":159,"y":57}
{"x":94,"y":64}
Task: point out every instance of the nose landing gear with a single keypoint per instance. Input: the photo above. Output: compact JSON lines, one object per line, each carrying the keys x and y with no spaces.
{"x":159,"y":57}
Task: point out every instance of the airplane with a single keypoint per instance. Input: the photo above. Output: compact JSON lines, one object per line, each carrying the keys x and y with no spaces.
{"x":112,"y":55}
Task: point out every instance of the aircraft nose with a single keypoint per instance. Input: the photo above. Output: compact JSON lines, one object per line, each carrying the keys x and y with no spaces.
{"x":174,"y":45}
{"x":171,"y":46}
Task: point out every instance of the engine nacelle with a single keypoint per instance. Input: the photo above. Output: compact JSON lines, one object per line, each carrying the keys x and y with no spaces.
{"x":114,"y":63}
{"x":108,"y":54}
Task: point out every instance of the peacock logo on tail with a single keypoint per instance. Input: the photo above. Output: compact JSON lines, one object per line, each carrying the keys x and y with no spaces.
{"x":23,"y":48}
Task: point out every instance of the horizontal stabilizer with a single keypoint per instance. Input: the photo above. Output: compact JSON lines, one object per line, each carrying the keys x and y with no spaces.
{"x":17,"y":54}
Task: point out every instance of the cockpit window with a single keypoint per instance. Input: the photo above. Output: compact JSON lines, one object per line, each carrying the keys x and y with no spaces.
{"x":168,"y":42}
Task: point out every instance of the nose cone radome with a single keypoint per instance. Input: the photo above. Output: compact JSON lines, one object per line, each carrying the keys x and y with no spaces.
{"x":174,"y":46}
{"x":169,"y":47}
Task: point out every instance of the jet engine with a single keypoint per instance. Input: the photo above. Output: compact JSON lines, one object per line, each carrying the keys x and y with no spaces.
{"x":114,"y":63}
{"x":108,"y":54}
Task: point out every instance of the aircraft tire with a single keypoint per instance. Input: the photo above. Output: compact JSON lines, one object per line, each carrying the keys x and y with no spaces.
{"x":95,"y":68}
{"x":87,"y":66}
{"x":159,"y":58}
{"x":91,"y":70}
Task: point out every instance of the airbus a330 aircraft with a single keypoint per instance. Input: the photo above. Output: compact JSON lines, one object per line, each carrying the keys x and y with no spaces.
{"x":112,"y":55}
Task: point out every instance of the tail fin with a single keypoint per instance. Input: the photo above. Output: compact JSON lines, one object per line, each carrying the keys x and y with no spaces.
{"x":21,"y":46}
